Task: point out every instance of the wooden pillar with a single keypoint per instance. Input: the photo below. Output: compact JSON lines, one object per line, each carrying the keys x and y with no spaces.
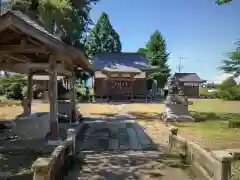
{"x":93,"y":85}
{"x":93,"y":82}
{"x":105,"y":88}
{"x":28,"y":102}
{"x":132,"y":79}
{"x":54,"y":133}
{"x":73,"y":99}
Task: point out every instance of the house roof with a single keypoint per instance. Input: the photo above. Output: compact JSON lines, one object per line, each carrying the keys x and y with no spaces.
{"x":120,"y":62}
{"x":188,"y":77}
{"x":23,"y":25}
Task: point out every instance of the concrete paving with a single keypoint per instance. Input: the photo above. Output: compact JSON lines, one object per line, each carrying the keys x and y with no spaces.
{"x":121,"y":150}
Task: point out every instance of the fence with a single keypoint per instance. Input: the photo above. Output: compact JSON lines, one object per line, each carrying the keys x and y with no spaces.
{"x":214,"y":165}
{"x":52,"y":168}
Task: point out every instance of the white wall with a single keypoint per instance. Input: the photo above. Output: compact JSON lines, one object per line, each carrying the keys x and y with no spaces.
{"x":99,"y":74}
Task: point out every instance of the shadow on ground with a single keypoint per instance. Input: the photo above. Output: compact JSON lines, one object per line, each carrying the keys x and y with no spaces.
{"x":127,"y":165}
{"x":17,"y":156}
{"x":134,"y":156}
{"x":133,"y":114}
{"x":104,"y":114}
{"x":145,"y":115}
{"x":122,"y":102}
{"x":18,"y":163}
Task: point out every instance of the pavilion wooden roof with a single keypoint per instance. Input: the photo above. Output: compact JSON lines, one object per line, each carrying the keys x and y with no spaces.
{"x":23,"y":41}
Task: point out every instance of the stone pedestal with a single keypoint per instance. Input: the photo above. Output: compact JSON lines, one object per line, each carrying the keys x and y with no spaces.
{"x":65,"y":111}
{"x":35,"y":126}
{"x":46,"y":96}
{"x":177,"y":112}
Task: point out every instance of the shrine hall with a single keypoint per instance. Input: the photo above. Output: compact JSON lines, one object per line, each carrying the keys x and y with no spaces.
{"x":121,"y":76}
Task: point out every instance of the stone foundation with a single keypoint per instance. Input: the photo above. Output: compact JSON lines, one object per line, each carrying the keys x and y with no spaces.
{"x":177,"y":112}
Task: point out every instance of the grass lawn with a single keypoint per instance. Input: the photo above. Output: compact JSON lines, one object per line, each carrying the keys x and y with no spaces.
{"x":212,"y":126}
{"x":210,"y":132}
{"x":9,"y":109}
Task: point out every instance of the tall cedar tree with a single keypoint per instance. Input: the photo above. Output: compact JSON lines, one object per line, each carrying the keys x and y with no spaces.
{"x":155,"y":51}
{"x":102,"y":38}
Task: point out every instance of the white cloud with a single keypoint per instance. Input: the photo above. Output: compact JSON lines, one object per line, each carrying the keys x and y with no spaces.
{"x":221,"y":78}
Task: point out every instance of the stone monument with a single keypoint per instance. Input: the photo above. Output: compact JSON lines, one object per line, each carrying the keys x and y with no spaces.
{"x":176,"y":104}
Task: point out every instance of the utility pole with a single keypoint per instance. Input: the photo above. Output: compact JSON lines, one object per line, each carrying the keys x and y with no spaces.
{"x":180,"y":64}
{"x":238,"y":46}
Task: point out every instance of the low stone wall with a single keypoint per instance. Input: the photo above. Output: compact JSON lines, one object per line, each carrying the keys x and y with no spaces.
{"x":235,"y":153}
{"x":214,"y":165}
{"x":52,"y":168}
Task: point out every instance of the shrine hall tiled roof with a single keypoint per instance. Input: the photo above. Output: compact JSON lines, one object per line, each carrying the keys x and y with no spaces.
{"x":120,"y":62}
{"x":188,"y":77}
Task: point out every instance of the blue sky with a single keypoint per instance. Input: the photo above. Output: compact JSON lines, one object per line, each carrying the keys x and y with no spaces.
{"x":198,"y":30}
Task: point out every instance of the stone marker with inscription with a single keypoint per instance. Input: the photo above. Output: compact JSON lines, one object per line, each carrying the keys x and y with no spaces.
{"x":176,"y":104}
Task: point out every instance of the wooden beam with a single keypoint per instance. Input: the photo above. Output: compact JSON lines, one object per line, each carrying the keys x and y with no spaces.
{"x":5,"y":38}
{"x":36,"y":42}
{"x":17,"y":57}
{"x":25,"y":67}
{"x":73,"y":98}
{"x":21,"y":49}
{"x":5,"y":23}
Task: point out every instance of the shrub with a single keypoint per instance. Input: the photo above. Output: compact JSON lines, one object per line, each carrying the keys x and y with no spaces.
{"x":232,"y":93}
{"x":234,"y":124}
{"x":204,"y":93}
{"x":15,"y":92}
{"x":1,"y":91}
{"x":13,"y":86}
{"x":81,"y":94}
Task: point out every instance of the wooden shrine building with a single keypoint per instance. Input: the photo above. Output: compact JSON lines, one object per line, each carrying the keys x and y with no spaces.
{"x":120,"y":76}
{"x":189,"y":83}
{"x":27,"y":48}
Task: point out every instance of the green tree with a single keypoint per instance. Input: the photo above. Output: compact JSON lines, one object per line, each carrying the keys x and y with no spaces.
{"x":102,"y":38}
{"x":69,"y":18}
{"x":155,"y":51}
{"x":232,"y":65}
{"x":228,"y":83}
{"x":221,"y":2}
{"x":142,"y":50}
{"x":229,"y":90}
